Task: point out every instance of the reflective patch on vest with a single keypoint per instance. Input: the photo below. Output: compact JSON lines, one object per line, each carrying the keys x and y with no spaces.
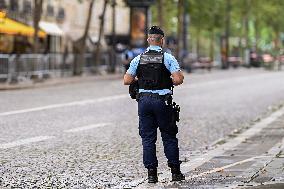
{"x":147,"y":58}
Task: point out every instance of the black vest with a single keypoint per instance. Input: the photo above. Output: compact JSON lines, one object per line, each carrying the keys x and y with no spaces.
{"x":152,"y":73}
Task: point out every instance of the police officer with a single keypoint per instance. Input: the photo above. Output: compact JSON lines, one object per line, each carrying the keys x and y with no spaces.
{"x":157,"y":72}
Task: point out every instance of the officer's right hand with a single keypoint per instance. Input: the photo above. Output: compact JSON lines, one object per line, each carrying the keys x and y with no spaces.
{"x":128,"y":79}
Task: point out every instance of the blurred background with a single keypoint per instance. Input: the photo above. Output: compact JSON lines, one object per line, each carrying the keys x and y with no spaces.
{"x":40,"y":39}
{"x":67,"y":120}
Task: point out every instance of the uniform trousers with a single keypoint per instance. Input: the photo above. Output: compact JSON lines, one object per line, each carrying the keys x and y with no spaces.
{"x":155,"y":113}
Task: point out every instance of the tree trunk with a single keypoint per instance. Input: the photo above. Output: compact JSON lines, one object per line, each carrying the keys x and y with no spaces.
{"x":161,"y":13}
{"x":36,"y":18}
{"x":79,"y":46}
{"x":212,"y":40}
{"x":198,"y":41}
{"x":180,"y":28}
{"x":277,"y":40}
{"x":185,"y":31}
{"x":257,"y":34}
{"x":113,"y":36}
{"x":212,"y":32}
{"x":246,"y":20}
{"x":225,"y":64}
{"x":245,"y":50}
{"x":98,"y":45}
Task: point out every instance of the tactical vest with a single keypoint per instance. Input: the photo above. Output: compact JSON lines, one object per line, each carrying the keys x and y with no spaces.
{"x":152,"y":73}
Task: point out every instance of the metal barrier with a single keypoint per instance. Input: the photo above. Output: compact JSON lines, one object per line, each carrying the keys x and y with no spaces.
{"x":7,"y":67}
{"x":31,"y":65}
{"x":4,"y":66}
{"x":26,"y":66}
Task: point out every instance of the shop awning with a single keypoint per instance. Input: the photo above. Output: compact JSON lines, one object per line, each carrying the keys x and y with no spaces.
{"x":12,"y":27}
{"x":51,"y":28}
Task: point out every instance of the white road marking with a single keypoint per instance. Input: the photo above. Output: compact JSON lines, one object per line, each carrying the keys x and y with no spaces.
{"x":42,"y":138}
{"x":88,"y":127}
{"x":265,"y":160}
{"x":75,"y":103}
{"x":221,"y":168}
{"x":222,"y":81}
{"x":116,"y":97}
{"x":24,"y":141}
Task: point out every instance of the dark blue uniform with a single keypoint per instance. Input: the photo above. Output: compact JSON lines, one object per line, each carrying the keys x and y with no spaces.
{"x":155,"y":113}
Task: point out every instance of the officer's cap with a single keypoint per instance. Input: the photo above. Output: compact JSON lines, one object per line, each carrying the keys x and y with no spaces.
{"x":156,"y":30}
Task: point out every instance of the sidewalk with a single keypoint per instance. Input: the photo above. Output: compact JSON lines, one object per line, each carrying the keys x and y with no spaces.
{"x":252,"y":159}
{"x":58,"y":81}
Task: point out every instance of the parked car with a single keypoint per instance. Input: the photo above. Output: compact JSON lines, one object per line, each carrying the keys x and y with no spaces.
{"x":268,"y":60}
{"x":204,"y":63}
{"x":281,"y":59}
{"x":235,"y":61}
{"x":255,"y":59}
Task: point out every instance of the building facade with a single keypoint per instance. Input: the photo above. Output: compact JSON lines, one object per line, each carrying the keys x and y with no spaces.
{"x":64,"y":20}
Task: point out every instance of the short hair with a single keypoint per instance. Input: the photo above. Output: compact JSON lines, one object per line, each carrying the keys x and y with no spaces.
{"x":156,"y":30}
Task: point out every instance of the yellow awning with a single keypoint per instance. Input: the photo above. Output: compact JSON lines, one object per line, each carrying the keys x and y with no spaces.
{"x":11,"y":27}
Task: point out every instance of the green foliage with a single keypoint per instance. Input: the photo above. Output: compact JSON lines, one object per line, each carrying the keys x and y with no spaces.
{"x":170,"y":16}
{"x":264,"y":18}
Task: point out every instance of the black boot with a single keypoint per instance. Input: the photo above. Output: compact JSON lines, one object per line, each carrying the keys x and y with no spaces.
{"x":176,"y":174}
{"x":152,"y":176}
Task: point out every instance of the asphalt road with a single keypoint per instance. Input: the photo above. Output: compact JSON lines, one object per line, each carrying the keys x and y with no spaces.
{"x":85,"y":135}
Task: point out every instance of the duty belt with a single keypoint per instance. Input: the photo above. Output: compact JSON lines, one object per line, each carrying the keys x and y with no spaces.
{"x":155,"y":95}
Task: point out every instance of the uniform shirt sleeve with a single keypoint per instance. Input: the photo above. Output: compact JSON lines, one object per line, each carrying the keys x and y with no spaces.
{"x":133,"y":66}
{"x":171,"y":63}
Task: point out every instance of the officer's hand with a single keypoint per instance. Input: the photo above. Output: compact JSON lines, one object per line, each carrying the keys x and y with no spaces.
{"x":128,"y":79}
{"x":177,"y":78}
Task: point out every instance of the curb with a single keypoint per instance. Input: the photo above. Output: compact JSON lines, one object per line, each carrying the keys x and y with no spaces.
{"x":219,"y":150}
{"x":58,"y":82}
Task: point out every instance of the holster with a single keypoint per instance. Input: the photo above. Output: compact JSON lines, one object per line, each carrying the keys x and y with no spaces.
{"x":133,"y":90}
{"x":175,"y":110}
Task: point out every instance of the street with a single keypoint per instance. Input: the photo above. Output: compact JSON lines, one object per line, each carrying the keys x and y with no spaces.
{"x":85,"y":135}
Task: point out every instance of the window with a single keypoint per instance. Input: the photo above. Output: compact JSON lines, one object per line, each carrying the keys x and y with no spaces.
{"x":14,"y":5}
{"x":27,"y":7}
{"x":50,"y":10}
{"x":3,"y":4}
{"x":61,"y":14}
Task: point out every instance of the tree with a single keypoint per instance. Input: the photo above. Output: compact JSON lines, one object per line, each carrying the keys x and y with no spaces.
{"x":274,"y":20}
{"x":215,"y":23}
{"x":79,"y":46}
{"x":227,"y":33}
{"x":168,"y":21}
{"x":256,"y":23}
{"x":200,"y":20}
{"x":98,"y":44}
{"x":207,"y":23}
{"x":36,"y":19}
{"x":160,"y":10}
{"x":180,"y":28}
